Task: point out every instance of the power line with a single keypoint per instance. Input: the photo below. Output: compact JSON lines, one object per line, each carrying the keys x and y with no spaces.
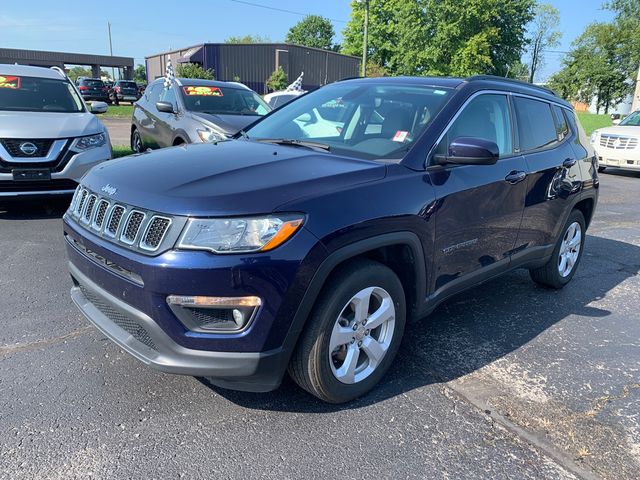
{"x":284,"y":10}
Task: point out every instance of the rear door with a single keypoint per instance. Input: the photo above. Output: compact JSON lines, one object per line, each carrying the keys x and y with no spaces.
{"x":553,"y":171}
{"x":479,"y":206}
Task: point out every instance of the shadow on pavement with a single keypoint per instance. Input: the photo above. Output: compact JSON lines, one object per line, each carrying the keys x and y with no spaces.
{"x":475,"y":329}
{"x":34,"y":209}
{"x":619,"y":172}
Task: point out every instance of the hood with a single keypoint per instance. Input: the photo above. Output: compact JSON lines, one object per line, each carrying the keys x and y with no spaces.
{"x":229,"y":124}
{"x":231,"y":178}
{"x":48,"y":124}
{"x":621,"y":130}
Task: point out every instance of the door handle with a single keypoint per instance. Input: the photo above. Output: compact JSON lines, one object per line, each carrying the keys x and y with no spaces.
{"x":515,"y":177}
{"x":569,"y":162}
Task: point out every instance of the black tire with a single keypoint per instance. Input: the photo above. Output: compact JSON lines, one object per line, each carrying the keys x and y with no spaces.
{"x":136,"y":142}
{"x":549,"y":274}
{"x":311,"y":364}
{"x":601,"y":169}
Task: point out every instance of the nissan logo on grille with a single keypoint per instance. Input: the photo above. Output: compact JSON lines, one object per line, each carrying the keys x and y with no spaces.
{"x":28,"y":148}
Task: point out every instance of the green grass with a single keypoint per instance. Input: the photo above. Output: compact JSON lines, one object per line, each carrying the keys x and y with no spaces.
{"x":121,"y":151}
{"x":591,"y":121}
{"x":120,"y":111}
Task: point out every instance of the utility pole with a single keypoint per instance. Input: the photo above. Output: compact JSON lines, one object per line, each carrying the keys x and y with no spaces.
{"x":365,"y":43}
{"x":113,"y":71}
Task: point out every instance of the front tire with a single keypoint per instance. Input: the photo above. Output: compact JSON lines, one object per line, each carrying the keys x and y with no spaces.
{"x":601,"y":169}
{"x":562,"y":265}
{"x":136,"y":142}
{"x":352,"y":334}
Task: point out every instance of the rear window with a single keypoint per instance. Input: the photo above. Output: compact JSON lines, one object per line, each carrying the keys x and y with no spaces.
{"x":223,"y":100}
{"x":33,"y":94}
{"x":92,"y":83}
{"x":562,"y":127}
{"x":128,"y":84}
{"x":536,"y":125}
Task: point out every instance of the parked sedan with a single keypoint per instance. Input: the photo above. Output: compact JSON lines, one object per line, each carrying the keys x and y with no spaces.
{"x":94,"y":89}
{"x":124,"y":91}
{"x":192,"y":111}
{"x":619,"y":146}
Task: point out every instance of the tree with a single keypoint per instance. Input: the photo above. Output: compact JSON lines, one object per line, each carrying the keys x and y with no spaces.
{"x":278,"y":80}
{"x":519,"y":71}
{"x":441,"y":37}
{"x":194,"y":70}
{"x":248,"y":39}
{"x":627,"y":21}
{"x":312,"y":31}
{"x":140,"y":74}
{"x":76,"y":72}
{"x":544,"y":35}
{"x":593,"y":69}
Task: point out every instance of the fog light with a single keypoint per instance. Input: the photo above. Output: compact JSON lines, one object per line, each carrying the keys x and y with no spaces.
{"x":214,"y":314}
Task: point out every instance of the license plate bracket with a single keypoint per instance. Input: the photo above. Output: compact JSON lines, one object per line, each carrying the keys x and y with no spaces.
{"x":30,"y":174}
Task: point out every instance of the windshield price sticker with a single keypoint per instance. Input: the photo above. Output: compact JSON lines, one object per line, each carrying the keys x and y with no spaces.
{"x":400,"y":136}
{"x":9,"y":82}
{"x":203,"y":91}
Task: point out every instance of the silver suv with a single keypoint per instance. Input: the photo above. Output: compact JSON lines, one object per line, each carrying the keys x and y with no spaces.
{"x":49,"y":138}
{"x":192,"y":111}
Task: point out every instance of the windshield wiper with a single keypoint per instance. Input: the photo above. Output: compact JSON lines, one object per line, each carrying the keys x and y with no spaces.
{"x":296,"y":143}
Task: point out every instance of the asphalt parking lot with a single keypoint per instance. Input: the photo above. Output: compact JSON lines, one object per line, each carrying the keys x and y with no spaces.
{"x":119,"y":130}
{"x":508,"y":380}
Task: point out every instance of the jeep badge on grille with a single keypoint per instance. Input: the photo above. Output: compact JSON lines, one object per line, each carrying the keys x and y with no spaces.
{"x":109,"y":190}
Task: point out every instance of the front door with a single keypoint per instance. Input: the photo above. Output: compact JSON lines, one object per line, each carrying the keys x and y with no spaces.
{"x":479,"y":206}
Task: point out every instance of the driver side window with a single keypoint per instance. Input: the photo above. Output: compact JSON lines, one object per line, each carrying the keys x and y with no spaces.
{"x":488,"y":117}
{"x":168,"y":95}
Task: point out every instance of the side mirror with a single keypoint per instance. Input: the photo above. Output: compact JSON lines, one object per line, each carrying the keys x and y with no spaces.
{"x":98,"y":107}
{"x":616,"y":121}
{"x":165,"y":107}
{"x":470,"y":151}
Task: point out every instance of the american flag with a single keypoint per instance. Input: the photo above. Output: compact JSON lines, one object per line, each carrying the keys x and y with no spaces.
{"x":297,"y":85}
{"x":169,"y":74}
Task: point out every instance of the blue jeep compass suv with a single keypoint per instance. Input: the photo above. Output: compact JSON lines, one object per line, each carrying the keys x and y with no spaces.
{"x":306,"y":243}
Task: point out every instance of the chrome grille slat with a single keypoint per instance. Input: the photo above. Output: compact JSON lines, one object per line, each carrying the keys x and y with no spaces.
{"x":101,"y":213}
{"x":623,"y":143}
{"x":155,"y":233}
{"x":88,"y":211}
{"x":134,"y":228}
{"x":117,"y":212}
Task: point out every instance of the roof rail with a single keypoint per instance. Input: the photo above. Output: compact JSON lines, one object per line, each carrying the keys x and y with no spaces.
{"x":512,"y":81}
{"x":60,"y":71}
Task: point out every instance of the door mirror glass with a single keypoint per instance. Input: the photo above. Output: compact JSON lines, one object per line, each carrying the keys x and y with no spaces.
{"x":471,"y":151}
{"x":165,"y":107}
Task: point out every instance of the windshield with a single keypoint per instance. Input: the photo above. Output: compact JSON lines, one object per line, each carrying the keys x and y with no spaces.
{"x":632,"y":120}
{"x":33,"y":94}
{"x":371,"y":121}
{"x":223,"y":100}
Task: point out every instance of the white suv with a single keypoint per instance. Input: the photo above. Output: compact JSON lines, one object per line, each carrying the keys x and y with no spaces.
{"x":619,"y":146}
{"x":49,"y":138}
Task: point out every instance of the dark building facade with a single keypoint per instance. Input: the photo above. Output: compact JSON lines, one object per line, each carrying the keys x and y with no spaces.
{"x":40,"y":58}
{"x":253,"y":64}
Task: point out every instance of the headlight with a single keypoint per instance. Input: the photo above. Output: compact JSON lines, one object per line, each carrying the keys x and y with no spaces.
{"x":239,"y":235}
{"x":594,"y":138}
{"x":92,"y":141}
{"x":209,"y":136}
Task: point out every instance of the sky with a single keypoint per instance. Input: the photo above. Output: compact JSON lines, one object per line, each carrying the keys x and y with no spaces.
{"x":143,"y":27}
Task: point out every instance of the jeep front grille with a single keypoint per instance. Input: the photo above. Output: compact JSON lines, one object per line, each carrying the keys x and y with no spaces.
{"x":120,"y":223}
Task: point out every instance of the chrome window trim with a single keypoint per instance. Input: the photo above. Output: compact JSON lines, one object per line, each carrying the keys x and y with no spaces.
{"x":54,"y":151}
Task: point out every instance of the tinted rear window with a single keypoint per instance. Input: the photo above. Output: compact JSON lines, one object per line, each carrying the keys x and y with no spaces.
{"x":536,"y":125}
{"x":128,"y":84}
{"x":562,"y":128}
{"x":92,"y":83}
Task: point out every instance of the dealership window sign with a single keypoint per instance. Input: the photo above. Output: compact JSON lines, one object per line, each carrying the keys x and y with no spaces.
{"x":9,"y":82}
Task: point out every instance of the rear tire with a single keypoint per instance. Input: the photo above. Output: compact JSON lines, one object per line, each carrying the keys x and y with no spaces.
{"x":562,"y":265}
{"x":353,"y":333}
{"x":601,"y":169}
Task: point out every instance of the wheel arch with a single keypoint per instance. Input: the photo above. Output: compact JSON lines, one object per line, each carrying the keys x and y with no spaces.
{"x":400,"y":251}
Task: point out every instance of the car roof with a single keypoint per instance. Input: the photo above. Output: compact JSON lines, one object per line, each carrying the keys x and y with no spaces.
{"x":29,"y":71}
{"x":478,"y":82}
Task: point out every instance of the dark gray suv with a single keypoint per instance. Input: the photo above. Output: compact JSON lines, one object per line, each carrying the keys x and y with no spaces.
{"x":192,"y":111}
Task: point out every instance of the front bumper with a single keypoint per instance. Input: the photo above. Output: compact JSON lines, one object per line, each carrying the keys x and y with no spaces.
{"x":129,"y":304}
{"x":62,"y":182}
{"x":137,"y":334}
{"x":623,"y":158}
